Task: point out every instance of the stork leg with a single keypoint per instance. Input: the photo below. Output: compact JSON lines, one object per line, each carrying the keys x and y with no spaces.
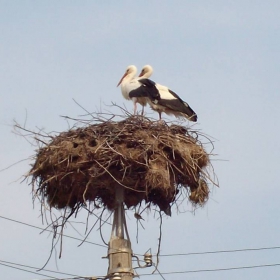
{"x":160,"y":121}
{"x":135,"y":108}
{"x":142,"y":112}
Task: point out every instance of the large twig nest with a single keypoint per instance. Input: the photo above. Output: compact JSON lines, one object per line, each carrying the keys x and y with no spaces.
{"x":152,"y":161}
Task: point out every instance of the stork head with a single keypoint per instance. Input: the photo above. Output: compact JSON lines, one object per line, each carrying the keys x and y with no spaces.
{"x":130,"y":71}
{"x":146,"y":71}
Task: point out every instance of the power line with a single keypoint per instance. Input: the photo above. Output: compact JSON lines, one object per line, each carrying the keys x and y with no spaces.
{"x":221,"y":251}
{"x":162,"y":273}
{"x":214,"y":270}
{"x":5,"y":263}
{"x":28,"y":271}
{"x":163,"y":255}
{"x":84,"y":278}
{"x":13,"y":265}
{"x":64,"y":235}
{"x":37,"y":268}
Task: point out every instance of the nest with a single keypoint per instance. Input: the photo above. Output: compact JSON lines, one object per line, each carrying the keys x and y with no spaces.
{"x":150,"y":160}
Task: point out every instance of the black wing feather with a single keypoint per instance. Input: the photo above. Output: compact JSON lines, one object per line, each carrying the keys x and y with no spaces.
{"x":150,"y":87}
{"x":147,"y":89}
{"x":178,"y":105}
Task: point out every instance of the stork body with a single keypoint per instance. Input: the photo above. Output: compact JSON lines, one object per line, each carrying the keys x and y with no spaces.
{"x":146,"y":73}
{"x":169,"y":102}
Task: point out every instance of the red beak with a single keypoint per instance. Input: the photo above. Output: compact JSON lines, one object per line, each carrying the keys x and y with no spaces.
{"x":141,"y":74}
{"x":121,"y":79}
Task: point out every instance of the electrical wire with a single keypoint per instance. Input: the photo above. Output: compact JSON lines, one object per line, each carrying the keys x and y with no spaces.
{"x":82,"y":278}
{"x":64,"y":235}
{"x":5,"y":263}
{"x":213,"y":270}
{"x":13,"y":265}
{"x":162,"y":255}
{"x":28,"y":271}
{"x":221,"y":251}
{"x":37,"y":268}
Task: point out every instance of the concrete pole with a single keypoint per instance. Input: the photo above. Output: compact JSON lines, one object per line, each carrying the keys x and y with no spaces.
{"x":119,"y":252}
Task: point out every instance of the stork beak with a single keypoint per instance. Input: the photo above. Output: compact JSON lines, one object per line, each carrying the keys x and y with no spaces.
{"x":141,"y":74}
{"x":122,"y":79}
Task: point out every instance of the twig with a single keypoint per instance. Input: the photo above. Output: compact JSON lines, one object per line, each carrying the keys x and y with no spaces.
{"x":116,"y":179}
{"x":159,"y":242}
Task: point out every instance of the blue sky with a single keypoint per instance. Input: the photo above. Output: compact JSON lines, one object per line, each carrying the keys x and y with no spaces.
{"x":222,"y":57}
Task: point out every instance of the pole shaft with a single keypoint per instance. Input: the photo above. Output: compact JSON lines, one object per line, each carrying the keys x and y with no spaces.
{"x":119,"y":252}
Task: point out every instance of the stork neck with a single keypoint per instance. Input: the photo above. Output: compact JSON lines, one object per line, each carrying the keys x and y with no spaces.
{"x":128,"y":78}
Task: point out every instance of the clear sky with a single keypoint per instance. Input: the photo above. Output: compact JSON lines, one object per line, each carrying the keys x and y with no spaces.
{"x":222,"y":57}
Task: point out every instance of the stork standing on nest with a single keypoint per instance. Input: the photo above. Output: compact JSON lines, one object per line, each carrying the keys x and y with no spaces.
{"x":138,"y":92}
{"x":146,"y":73}
{"x":169,"y":102}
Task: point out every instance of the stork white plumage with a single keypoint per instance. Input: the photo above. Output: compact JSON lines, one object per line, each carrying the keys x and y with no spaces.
{"x":169,"y":102}
{"x":133,"y":89}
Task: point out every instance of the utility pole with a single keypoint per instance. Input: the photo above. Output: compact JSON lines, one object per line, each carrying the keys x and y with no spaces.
{"x":119,"y":251}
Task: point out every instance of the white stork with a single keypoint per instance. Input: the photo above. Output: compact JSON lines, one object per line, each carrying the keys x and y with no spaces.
{"x":146,"y":73}
{"x":168,"y":102}
{"x":138,"y":92}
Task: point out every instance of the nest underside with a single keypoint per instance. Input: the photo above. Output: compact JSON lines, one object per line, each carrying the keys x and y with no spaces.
{"x":150,"y":160}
